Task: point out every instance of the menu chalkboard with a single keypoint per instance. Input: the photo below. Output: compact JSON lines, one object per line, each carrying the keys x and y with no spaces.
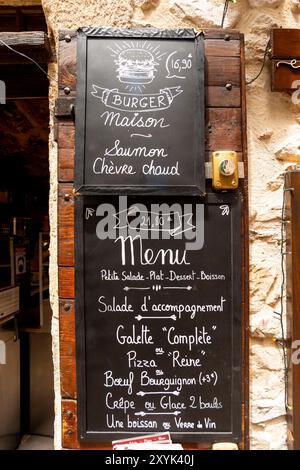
{"x":140,"y":112}
{"x":159,"y":317}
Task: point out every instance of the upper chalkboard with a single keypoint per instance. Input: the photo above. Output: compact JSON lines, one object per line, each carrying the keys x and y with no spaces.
{"x":140,"y":112}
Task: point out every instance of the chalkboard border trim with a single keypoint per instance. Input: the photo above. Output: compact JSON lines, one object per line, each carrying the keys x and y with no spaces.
{"x":155,"y":33}
{"x":113,"y":190}
{"x":235,"y":435}
{"x":198,"y":186}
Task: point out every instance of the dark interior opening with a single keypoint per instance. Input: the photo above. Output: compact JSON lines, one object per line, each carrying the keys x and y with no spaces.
{"x":26,"y":370}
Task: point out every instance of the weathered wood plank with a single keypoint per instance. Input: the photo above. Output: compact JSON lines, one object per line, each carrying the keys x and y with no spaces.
{"x":285,"y":43}
{"x":69,"y":424}
{"x":67,"y":64}
{"x":66,"y":149}
{"x":223,"y":70}
{"x":67,"y":327}
{"x":66,"y":245}
{"x":65,"y":205}
{"x":67,"y":348}
{"x":66,"y":213}
{"x":225,"y":34}
{"x":221,"y":48}
{"x":66,"y":134}
{"x":66,"y":233}
{"x":223,"y":130}
{"x":65,"y":251}
{"x":21,"y":39}
{"x":35,"y":44}
{"x":65,"y":189}
{"x":68,"y":377}
{"x":66,"y":282}
{"x":65,"y":224}
{"x":222,"y":97}
{"x":66,"y":164}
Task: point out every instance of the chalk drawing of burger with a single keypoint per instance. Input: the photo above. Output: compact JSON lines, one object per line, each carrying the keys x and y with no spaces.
{"x":136,"y":66}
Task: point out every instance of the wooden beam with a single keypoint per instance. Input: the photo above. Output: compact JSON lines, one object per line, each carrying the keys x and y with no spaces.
{"x":34,"y":44}
{"x":225,"y":34}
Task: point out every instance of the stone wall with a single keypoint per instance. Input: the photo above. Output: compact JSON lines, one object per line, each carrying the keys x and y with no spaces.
{"x":273,"y":133}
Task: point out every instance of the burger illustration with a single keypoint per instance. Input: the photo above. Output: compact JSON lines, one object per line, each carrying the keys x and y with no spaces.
{"x":136,"y":66}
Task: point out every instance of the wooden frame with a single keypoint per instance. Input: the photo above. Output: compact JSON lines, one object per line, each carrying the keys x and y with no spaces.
{"x":36,"y":44}
{"x":292,"y":230}
{"x":225,"y":129}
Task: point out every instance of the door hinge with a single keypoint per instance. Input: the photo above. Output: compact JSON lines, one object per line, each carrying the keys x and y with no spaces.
{"x":65,"y":107}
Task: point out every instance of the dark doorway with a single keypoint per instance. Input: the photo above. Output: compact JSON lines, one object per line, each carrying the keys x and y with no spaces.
{"x":26,"y":373}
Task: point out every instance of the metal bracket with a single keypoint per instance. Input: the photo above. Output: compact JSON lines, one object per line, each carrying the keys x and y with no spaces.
{"x":208,"y":170}
{"x":65,"y":107}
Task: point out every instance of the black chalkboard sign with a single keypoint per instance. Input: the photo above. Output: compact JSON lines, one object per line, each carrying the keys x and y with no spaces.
{"x":140,"y":112}
{"x":159,"y":317}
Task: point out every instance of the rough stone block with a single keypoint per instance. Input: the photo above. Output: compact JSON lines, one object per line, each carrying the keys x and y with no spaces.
{"x":207,"y":13}
{"x":295,"y":6}
{"x":146,"y":4}
{"x":264,"y":286}
{"x":265,"y":3}
{"x":265,"y":324}
{"x":290,"y":150}
{"x":269,"y":436}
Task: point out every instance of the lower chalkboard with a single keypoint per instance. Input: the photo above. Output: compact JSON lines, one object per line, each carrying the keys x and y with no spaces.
{"x":159,"y":317}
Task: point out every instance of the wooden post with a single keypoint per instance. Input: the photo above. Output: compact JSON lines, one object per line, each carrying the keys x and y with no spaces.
{"x":292,"y":249}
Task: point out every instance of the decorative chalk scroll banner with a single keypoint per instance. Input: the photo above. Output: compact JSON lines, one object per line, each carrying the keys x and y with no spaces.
{"x":159,"y":315}
{"x":137,"y":103}
{"x":140,"y":112}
